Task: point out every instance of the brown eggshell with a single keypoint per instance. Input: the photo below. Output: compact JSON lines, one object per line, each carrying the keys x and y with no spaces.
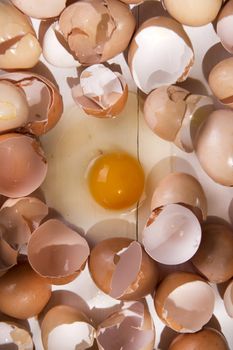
{"x":14,"y":336}
{"x":181,"y":304}
{"x":228,"y":299}
{"x":132,"y":327}
{"x":8,"y":256}
{"x":61,"y":315}
{"x":214,"y":146}
{"x":23,"y":293}
{"x":224,"y":25}
{"x":66,"y":280}
{"x":107,"y":269}
{"x":214,"y":258}
{"x":207,"y":338}
{"x":180,"y":188}
{"x":40,"y":9}
{"x":44,"y":99}
{"x":56,"y":251}
{"x":19,"y":47}
{"x":23,"y":165}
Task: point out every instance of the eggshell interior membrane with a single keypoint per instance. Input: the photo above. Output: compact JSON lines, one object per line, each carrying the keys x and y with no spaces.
{"x":193,"y":12}
{"x":131,"y":328}
{"x":44,"y":100}
{"x":180,"y":188}
{"x":224,"y":26}
{"x":214,"y":258}
{"x":40,"y":9}
{"x":54,"y":239}
{"x":101,"y":92}
{"x":53,"y":50}
{"x":184,"y":302}
{"x":121,"y":268}
{"x":97,"y":31}
{"x":23,"y":165}
{"x":19,"y":47}
{"x":62,"y":320}
{"x":14,"y":337}
{"x":228,"y":299}
{"x":214,"y":146}
{"x":8,"y":255}
{"x":23,"y":293}
{"x":172,"y":234}
{"x":165,"y":50}
{"x":207,"y":338}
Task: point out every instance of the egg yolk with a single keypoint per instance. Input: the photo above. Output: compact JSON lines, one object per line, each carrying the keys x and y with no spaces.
{"x":116,"y":180}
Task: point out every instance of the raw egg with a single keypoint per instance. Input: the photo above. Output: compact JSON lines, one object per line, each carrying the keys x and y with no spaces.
{"x":116,"y":180}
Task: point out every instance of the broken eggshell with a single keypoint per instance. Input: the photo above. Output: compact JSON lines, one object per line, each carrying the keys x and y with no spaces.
{"x":13,"y":336}
{"x":101,"y":92}
{"x":184,"y":302}
{"x":224,"y":26}
{"x":41,"y":9}
{"x":165,"y":50}
{"x":228,"y":299}
{"x":172,"y":234}
{"x":214,"y":146}
{"x":121,"y":268}
{"x":19,"y":47}
{"x":23,"y":165}
{"x":180,"y":188}
{"x":56,"y":251}
{"x":97,"y":30}
{"x":63,"y":319}
{"x":44,"y":100}
{"x":130,"y":328}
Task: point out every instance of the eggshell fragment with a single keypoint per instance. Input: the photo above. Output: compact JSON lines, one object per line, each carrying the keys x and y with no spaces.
{"x":165,"y":50}
{"x":184,"y":302}
{"x":19,"y":47}
{"x":121,"y":268}
{"x":23,"y":293}
{"x":8,"y":255}
{"x":224,"y":25}
{"x":130,"y":328}
{"x":40,"y":9}
{"x":214,"y":146}
{"x":13,"y":336}
{"x":23,"y":165}
{"x":101,"y":92}
{"x":207,"y":338}
{"x":214,"y":258}
{"x":228,"y":299}
{"x":66,"y":320}
{"x":55,"y":251}
{"x":95,"y":30}
{"x":172,"y":234}
{"x":44,"y":99}
{"x":180,"y":188}
{"x":193,"y":12}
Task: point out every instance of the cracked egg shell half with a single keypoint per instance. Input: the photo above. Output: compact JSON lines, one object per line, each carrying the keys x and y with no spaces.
{"x":207,"y":338}
{"x":184,"y":302}
{"x":228,"y":299}
{"x":224,"y":26}
{"x":56,"y":251}
{"x":97,"y":30}
{"x":121,"y":268}
{"x":41,"y":9}
{"x":101,"y":92}
{"x":130,"y":328}
{"x":23,"y":165}
{"x":165,"y":50}
{"x":23,"y":293}
{"x":14,"y":337}
{"x":19,"y":47}
{"x":214,"y":258}
{"x":181,"y":188}
{"x":66,"y":320}
{"x":172,"y":234}
{"x":214,"y":146}
{"x":44,"y":100}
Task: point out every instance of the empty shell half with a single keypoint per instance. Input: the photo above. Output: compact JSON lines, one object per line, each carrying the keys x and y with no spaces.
{"x":19,"y":47}
{"x":228,"y":299}
{"x":224,"y":26}
{"x":13,"y":336}
{"x":184,"y":302}
{"x":40,"y":9}
{"x":65,"y":320}
{"x":130,"y":328}
{"x":44,"y":100}
{"x":165,"y":50}
{"x":121,"y":268}
{"x":101,"y":92}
